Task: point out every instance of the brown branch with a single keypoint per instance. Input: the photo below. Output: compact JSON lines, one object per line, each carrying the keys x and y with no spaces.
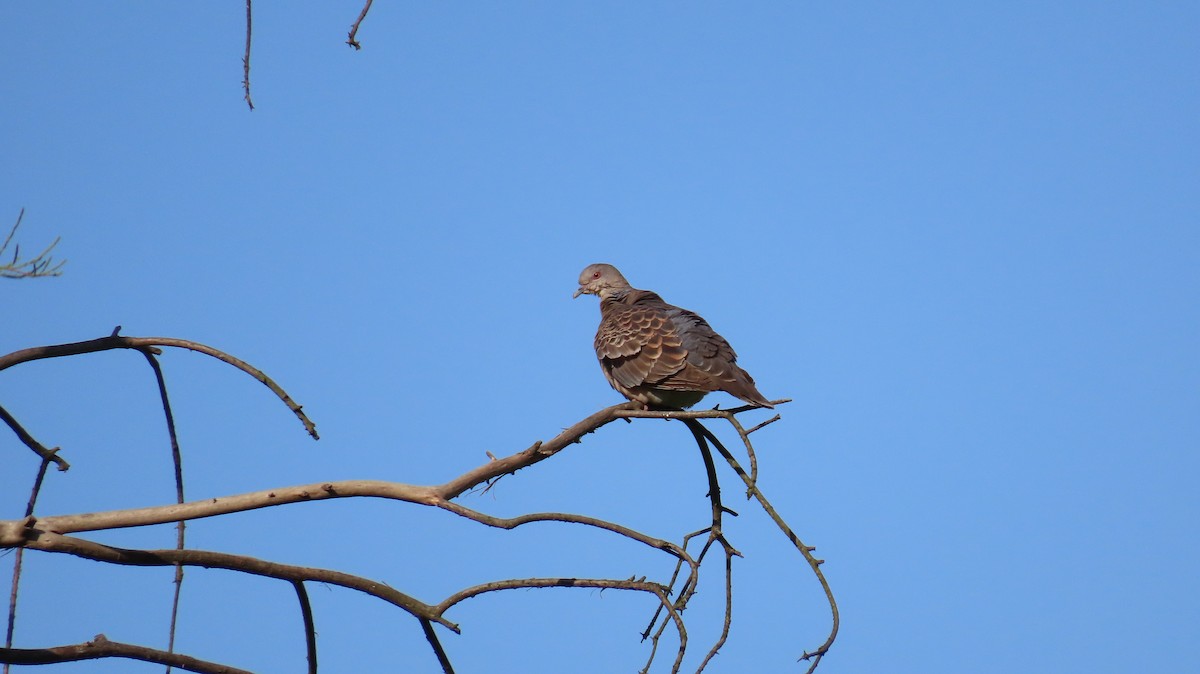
{"x":539,"y":451}
{"x":728,"y":613}
{"x":19,"y":559}
{"x":436,"y":645}
{"x":716,"y":533}
{"x":30,"y":442}
{"x":353,"y":42}
{"x":115,"y":341}
{"x":514,"y":522}
{"x":38,"y":538}
{"x":212,"y":507}
{"x":47,"y":534}
{"x":805,"y":550}
{"x":656,"y":589}
{"x":177,"y":461}
{"x":750,"y":448}
{"x":100,"y":647}
{"x":246,"y":58}
{"x":671,"y":584}
{"x":523,"y":583}
{"x":310,"y":629}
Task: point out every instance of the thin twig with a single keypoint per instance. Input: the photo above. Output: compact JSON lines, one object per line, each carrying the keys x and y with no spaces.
{"x":814,"y":657}
{"x":728,"y":613}
{"x":246,"y":58}
{"x":685,"y":592}
{"x":656,"y":589}
{"x":436,"y":645}
{"x":353,"y":42}
{"x":19,"y":558}
{"x":30,"y":442}
{"x":749,"y":448}
{"x":716,"y":533}
{"x":12,"y":232}
{"x":310,"y":630}
{"x":115,"y":341}
{"x":39,"y":266}
{"x":177,"y":461}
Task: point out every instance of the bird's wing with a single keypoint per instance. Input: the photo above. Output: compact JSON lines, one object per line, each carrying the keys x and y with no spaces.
{"x":638,"y":343}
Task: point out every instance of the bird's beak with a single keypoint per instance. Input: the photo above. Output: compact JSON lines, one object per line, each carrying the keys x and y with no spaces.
{"x":578,"y":292}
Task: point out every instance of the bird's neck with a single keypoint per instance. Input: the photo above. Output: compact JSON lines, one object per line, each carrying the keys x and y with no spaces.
{"x":617,"y":295}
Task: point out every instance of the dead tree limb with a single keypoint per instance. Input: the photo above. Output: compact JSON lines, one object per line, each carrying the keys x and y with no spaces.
{"x":54,"y":533}
{"x":353,"y":36}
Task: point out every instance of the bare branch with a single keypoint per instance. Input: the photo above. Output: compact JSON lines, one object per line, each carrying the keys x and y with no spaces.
{"x":246,"y":58}
{"x":37,"y":537}
{"x":657,"y":590}
{"x":39,"y":266}
{"x":310,"y":630}
{"x":50,"y":533}
{"x":432,"y":638}
{"x":514,"y":522}
{"x":177,"y":461}
{"x":715,"y":533}
{"x":37,"y":447}
{"x":19,"y":559}
{"x":115,"y":341}
{"x":101,"y":647}
{"x":353,"y":42}
{"x":212,"y":507}
{"x":815,"y":656}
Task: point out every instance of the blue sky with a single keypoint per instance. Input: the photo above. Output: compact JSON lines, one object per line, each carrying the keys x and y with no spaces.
{"x":963,"y":237}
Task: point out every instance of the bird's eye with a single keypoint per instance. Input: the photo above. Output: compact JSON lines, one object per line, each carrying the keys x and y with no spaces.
{"x":595,"y":274}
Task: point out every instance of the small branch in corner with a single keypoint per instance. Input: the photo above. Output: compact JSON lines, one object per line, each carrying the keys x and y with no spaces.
{"x":246,"y":58}
{"x":353,"y":36}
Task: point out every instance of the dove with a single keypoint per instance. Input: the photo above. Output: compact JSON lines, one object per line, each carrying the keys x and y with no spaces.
{"x":656,"y":353}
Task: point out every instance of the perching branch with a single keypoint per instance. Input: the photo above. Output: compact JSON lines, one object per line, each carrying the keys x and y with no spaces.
{"x":53,"y":533}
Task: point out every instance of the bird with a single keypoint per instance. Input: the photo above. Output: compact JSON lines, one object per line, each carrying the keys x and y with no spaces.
{"x":656,"y":353}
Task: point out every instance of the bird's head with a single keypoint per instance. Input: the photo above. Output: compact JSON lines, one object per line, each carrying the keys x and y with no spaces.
{"x":602,"y":280}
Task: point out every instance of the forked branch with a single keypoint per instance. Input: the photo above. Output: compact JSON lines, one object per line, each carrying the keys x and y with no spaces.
{"x":53,"y":534}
